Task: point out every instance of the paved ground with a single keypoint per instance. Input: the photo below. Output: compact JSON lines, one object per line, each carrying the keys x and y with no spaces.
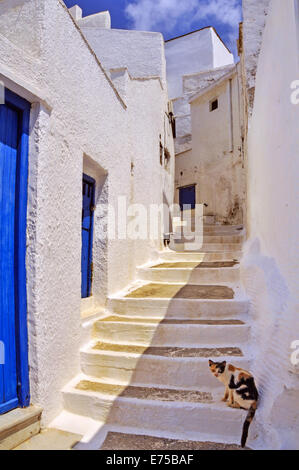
{"x":169,"y":351}
{"x":146,"y":393}
{"x":118,"y":441}
{"x":51,"y":439}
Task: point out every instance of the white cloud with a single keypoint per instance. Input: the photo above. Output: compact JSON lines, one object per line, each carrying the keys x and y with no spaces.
{"x":152,"y":15}
{"x":227,"y":12}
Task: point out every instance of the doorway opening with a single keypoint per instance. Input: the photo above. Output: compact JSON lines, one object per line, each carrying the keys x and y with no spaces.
{"x":88,"y":207}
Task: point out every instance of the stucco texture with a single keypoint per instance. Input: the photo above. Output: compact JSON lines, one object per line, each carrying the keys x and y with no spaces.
{"x":215,"y":162}
{"x":270,"y":264}
{"x":82,"y":124}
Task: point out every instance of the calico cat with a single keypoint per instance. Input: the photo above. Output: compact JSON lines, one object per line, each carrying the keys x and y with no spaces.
{"x":240,"y":390}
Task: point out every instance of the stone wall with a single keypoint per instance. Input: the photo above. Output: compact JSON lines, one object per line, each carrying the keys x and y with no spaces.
{"x":254,"y":18}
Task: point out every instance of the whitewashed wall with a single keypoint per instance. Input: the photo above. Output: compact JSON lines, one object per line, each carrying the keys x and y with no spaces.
{"x":142,"y":53}
{"x":270,"y":264}
{"x":79,"y":122}
{"x":254,"y":19}
{"x":188,"y":57}
{"x":215,"y":162}
{"x":193,"y":53}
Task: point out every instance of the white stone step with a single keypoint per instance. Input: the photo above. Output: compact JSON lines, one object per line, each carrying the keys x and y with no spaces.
{"x":206,"y":247}
{"x":123,"y":439}
{"x":179,"y":308}
{"x":169,"y":367}
{"x":51,"y":439}
{"x":225,"y":229}
{"x":180,"y":333}
{"x":179,"y":412}
{"x":196,"y":275}
{"x":171,"y":255}
{"x":219,"y":238}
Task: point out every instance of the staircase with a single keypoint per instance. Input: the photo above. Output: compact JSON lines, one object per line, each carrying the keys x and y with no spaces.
{"x":145,"y":371}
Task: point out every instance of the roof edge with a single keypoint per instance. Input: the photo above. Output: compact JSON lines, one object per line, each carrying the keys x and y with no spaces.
{"x":196,"y":31}
{"x":188,"y":34}
{"x":217,"y":83}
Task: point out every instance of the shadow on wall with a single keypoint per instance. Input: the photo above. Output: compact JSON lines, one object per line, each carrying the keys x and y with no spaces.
{"x":273,"y":315}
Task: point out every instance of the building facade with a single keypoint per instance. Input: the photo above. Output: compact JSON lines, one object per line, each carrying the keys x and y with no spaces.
{"x":209,"y":141}
{"x":82,"y":119}
{"x":87,"y":149}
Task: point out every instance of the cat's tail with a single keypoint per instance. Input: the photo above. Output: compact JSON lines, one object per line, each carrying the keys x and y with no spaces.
{"x":248,"y":421}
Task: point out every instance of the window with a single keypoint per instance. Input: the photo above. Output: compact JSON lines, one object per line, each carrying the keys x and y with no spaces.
{"x":214,"y":105}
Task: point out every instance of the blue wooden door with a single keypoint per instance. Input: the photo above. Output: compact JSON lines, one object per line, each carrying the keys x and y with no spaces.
{"x":187,"y":197}
{"x":14,"y":119}
{"x":87,"y":235}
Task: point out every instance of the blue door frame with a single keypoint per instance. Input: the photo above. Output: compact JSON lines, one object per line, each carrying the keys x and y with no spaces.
{"x":14,"y":138}
{"x":88,"y":200}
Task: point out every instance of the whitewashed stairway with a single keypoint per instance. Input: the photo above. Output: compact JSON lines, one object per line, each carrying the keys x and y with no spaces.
{"x":146,"y":368}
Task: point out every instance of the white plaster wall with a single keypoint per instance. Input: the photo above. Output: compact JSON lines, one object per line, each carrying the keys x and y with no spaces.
{"x":98,"y":20}
{"x":222,"y":55}
{"x":142,"y":53}
{"x":191,"y":84}
{"x":193,"y":53}
{"x":186,"y":55}
{"x":14,"y":25}
{"x":84,"y":125}
{"x":270,"y":265}
{"x":215,"y":162}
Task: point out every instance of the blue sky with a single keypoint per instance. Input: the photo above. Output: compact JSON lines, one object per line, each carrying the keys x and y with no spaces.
{"x":171,"y":17}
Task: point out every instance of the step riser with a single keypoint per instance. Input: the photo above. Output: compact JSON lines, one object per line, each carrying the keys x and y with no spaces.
{"x":19,"y":437}
{"x":230,"y":229}
{"x":199,"y":257}
{"x":19,"y":425}
{"x":173,"y":417}
{"x":207,"y":247}
{"x":222,"y":232}
{"x":171,"y":335}
{"x":195,"y":276}
{"x":215,"y":238}
{"x":184,"y":373}
{"x":179,"y":308}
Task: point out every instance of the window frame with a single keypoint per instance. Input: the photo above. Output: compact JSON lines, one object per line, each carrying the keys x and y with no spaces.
{"x":214,"y":100}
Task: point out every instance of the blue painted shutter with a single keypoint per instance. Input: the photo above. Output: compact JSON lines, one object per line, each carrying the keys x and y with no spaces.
{"x":9,"y":124}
